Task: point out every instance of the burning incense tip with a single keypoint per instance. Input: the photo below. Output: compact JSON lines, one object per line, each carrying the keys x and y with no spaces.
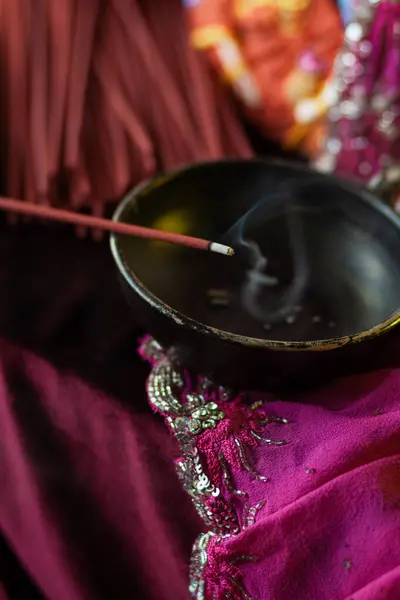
{"x":64,"y":216}
{"x":221,"y":249}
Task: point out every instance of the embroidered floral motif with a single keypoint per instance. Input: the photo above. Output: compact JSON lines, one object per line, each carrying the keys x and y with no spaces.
{"x":214,"y":430}
{"x":215,"y":573}
{"x":222,"y":573}
{"x":223,"y":436}
{"x":226,"y":444}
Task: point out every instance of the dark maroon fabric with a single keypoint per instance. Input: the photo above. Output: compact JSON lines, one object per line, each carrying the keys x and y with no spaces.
{"x":90,"y":506}
{"x":89,"y":503}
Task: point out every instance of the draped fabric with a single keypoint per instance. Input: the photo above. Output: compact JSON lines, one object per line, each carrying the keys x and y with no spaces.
{"x":90,"y":504}
{"x":96,"y":96}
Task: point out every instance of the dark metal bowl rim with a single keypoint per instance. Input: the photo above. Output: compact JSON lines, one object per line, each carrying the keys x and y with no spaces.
{"x":187,"y":322}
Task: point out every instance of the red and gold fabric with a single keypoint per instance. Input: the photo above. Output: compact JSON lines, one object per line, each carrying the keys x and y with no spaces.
{"x":277,"y":55}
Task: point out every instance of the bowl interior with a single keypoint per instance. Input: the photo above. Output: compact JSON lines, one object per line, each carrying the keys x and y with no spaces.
{"x":349,"y":242}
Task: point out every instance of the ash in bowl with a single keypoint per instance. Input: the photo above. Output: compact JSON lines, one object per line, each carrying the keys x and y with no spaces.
{"x":312,"y":258}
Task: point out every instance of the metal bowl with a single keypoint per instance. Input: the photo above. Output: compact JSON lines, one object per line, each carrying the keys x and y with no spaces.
{"x":352,"y":241}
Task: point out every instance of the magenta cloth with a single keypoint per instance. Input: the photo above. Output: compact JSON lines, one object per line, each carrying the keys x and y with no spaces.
{"x":327,"y":502}
{"x":90,"y":506}
{"x":330,"y":527}
{"x":88,"y":500}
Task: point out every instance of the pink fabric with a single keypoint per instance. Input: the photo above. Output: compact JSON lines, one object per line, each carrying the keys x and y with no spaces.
{"x":328,"y":498}
{"x":84,"y":489}
{"x":330,"y":527}
{"x":90,"y":505}
{"x":88,"y":502}
{"x":221,"y":440}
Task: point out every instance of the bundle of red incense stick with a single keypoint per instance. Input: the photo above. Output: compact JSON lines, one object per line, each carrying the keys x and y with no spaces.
{"x":97,"y":95}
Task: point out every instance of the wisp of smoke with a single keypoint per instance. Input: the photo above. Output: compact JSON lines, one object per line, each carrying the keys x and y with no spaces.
{"x":262,"y":296}
{"x":282,"y":274}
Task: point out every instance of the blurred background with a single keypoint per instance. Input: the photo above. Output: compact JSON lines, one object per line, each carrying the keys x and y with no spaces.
{"x":97,"y":96}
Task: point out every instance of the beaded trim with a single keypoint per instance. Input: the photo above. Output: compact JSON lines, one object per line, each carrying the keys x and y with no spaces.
{"x":363,"y":109}
{"x":215,"y":430}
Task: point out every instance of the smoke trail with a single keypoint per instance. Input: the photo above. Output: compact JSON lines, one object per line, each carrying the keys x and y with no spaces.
{"x":256,"y":291}
{"x":262,"y":296}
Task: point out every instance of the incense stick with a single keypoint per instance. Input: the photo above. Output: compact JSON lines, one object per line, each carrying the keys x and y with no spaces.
{"x":65,"y":216}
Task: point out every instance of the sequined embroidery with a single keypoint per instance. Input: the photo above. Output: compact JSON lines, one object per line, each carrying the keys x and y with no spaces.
{"x":215,"y":430}
{"x":228,"y":444}
{"x":215,"y":573}
{"x":224,"y":436}
{"x":364,"y":124}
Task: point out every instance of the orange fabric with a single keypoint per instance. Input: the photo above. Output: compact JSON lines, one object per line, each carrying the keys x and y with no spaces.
{"x":205,"y":13}
{"x":266,"y":39}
